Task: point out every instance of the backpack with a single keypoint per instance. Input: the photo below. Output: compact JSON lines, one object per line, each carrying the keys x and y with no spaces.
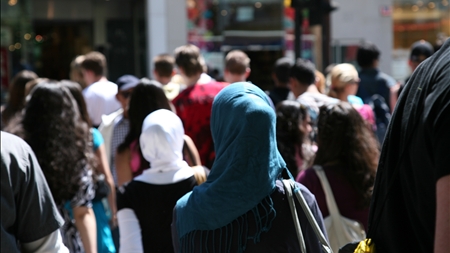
{"x":382,"y":115}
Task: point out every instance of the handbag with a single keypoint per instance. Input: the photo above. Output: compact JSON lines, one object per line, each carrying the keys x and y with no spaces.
{"x":291,"y":189}
{"x":101,"y":188}
{"x":340,"y":229}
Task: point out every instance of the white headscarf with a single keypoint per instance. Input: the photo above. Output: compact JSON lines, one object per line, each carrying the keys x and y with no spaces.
{"x":161,"y":141}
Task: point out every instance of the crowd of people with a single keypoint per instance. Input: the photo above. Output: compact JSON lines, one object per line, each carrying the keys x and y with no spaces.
{"x":187,"y":163}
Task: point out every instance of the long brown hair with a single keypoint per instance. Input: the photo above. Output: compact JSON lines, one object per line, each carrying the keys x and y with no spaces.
{"x":290,"y":115}
{"x":344,"y":140}
{"x":52,"y":126}
{"x":16,"y":100}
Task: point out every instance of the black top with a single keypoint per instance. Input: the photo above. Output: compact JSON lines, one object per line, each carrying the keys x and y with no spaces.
{"x":28,"y":212}
{"x":415,"y":154}
{"x":373,"y":81}
{"x":281,"y":238}
{"x":278,"y":94}
{"x":153,"y":206}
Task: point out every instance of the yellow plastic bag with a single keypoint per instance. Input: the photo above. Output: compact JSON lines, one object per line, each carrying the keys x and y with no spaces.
{"x":366,"y":246}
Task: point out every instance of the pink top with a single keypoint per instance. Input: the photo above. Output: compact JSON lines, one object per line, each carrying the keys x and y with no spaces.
{"x":135,"y":163}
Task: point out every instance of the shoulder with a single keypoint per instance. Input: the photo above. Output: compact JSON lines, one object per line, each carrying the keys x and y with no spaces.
{"x":390,"y":81}
{"x":101,"y":89}
{"x":109,"y":119}
{"x":97,"y":138}
{"x":307,"y":176}
{"x":16,"y":149}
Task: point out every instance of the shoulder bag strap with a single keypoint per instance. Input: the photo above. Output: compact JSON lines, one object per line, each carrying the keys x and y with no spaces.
{"x":289,"y":185}
{"x":298,"y":229}
{"x":331,"y":203}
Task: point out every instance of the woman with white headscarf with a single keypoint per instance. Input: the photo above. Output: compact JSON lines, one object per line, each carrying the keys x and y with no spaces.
{"x":145,"y":204}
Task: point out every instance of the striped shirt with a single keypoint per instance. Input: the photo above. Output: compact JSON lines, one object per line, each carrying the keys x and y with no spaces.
{"x":120,"y":131}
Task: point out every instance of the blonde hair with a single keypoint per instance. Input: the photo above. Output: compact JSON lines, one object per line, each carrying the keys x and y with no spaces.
{"x":340,"y":76}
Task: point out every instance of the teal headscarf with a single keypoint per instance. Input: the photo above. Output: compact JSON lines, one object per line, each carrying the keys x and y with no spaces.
{"x":246,"y":167}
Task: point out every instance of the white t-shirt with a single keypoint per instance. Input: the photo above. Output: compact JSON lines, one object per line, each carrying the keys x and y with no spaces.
{"x":313,"y":101}
{"x":101,"y":99}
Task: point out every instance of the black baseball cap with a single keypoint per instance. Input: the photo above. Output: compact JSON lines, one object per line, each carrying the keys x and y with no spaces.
{"x":421,"y":50}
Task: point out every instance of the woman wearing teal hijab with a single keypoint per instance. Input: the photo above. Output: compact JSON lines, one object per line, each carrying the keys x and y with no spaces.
{"x":241,"y":207}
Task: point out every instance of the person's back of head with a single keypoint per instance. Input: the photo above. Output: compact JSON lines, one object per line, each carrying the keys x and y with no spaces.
{"x":281,"y":71}
{"x":341,"y":77}
{"x":237,"y":62}
{"x":291,"y":133}
{"x":164,"y":65}
{"x":189,"y":60}
{"x":94,"y":62}
{"x":53,"y":128}
{"x":161,"y":140}
{"x":344,"y":139}
{"x":420,"y":51}
{"x":303,"y":71}
{"x":16,"y":98}
{"x":367,"y":55}
{"x":76,"y":91}
{"x":76,"y":74}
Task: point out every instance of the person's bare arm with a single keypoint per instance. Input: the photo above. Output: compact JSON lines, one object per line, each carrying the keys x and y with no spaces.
{"x":123,"y":169}
{"x":87,"y":227}
{"x":442,"y":233}
{"x":190,"y":152}
{"x":394,"y":96}
{"x":103,"y":167}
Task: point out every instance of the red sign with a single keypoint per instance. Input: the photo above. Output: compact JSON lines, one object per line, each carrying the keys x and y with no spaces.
{"x":4,"y":62}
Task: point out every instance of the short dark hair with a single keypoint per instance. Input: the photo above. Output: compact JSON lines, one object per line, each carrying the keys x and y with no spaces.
{"x":95,"y":62}
{"x":237,"y":62}
{"x":188,"y":58}
{"x":164,"y":64}
{"x":421,"y":50}
{"x":303,"y":71}
{"x":366,"y":55}
{"x":281,"y":69}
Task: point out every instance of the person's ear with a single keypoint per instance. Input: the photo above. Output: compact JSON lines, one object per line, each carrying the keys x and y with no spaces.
{"x":247,"y":72}
{"x":118,"y":96}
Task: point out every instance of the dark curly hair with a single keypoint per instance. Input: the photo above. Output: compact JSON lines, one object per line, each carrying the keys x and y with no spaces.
{"x":290,"y":115}
{"x":147,"y":97}
{"x":344,"y":139}
{"x":52,"y":126}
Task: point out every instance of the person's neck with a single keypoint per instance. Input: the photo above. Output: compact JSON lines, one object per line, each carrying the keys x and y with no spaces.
{"x":236,"y":79}
{"x":343,"y":97}
{"x":312,"y":88}
{"x":99,"y":79}
{"x":192,"y":80}
{"x":281,"y":85}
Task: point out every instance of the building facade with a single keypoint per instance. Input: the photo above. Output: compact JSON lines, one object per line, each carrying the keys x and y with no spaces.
{"x":45,"y":35}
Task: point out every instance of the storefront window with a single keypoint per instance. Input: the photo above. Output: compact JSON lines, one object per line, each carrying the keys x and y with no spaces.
{"x":415,"y":20}
{"x":17,"y":39}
